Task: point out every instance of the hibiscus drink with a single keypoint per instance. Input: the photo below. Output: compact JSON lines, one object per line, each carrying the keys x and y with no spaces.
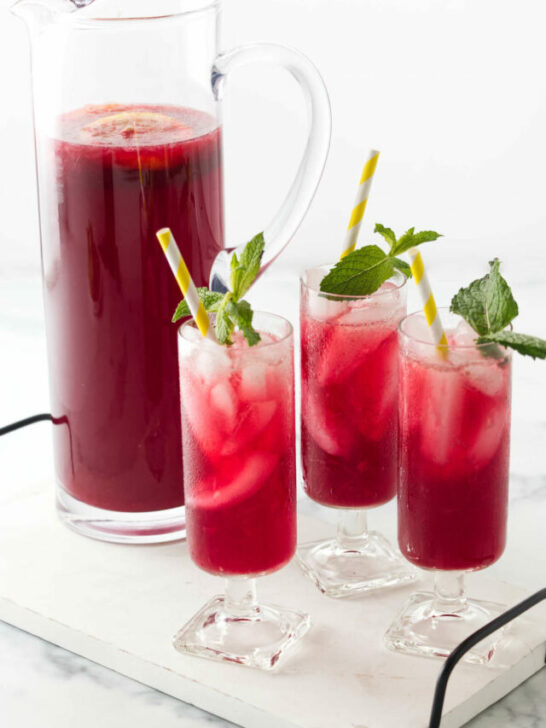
{"x":121,"y":172}
{"x":349,"y":355}
{"x":239,"y":457}
{"x":349,"y":429}
{"x":453,"y":490}
{"x":240,"y":482}
{"x":455,"y":443}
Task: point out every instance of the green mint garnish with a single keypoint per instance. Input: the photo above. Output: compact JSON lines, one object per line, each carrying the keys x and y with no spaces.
{"x":488,"y":306}
{"x":230,"y":310}
{"x":211,"y":300}
{"x":245,"y":270}
{"x":362,"y":272}
{"x":523,"y":343}
{"x":241,"y":313}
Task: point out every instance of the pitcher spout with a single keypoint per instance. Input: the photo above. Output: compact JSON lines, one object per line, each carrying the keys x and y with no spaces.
{"x":38,"y":13}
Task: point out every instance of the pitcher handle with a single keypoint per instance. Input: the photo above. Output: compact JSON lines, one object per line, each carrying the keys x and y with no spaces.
{"x":284,"y":224}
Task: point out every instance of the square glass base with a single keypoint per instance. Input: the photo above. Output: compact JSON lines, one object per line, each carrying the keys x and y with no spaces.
{"x":422,"y":628}
{"x":348,"y":570}
{"x":258,"y":639}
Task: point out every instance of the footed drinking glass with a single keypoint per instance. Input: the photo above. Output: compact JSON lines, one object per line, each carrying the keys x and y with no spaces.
{"x":349,"y":400}
{"x":453,"y":493}
{"x":240,"y":488}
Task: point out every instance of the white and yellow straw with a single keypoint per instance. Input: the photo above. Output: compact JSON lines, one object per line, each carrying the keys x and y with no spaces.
{"x":185,"y":283}
{"x":429,"y":304}
{"x":361,"y":200}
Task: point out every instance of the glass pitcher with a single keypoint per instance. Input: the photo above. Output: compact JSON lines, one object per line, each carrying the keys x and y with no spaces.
{"x":128,"y":139}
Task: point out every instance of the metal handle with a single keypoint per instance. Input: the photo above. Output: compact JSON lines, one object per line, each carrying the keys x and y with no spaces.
{"x":468,"y":644}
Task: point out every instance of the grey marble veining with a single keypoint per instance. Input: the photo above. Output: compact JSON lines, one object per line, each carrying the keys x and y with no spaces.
{"x":523,"y":708}
{"x":40,"y":681}
{"x":41,"y":684}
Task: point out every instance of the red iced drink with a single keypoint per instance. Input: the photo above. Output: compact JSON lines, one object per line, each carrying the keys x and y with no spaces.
{"x":454,"y":449}
{"x":349,"y":364}
{"x":238,"y":440}
{"x":117,"y":174}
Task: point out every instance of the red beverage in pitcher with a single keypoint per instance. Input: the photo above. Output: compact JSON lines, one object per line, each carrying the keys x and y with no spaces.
{"x":454,"y":450}
{"x":349,"y":364}
{"x":122,"y":172}
{"x":239,"y":451}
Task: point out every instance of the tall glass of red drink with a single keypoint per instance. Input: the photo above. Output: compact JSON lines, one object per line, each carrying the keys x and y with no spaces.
{"x":453,"y":492}
{"x":349,"y":400}
{"x":240,"y":487}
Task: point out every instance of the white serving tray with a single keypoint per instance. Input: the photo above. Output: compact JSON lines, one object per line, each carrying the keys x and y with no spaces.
{"x":120,"y":605}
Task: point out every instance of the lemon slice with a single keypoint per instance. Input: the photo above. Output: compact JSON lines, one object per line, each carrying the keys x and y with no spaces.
{"x":133,"y":124}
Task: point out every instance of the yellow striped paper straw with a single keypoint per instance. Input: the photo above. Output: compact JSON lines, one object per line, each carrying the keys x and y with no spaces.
{"x":361,"y":200}
{"x":429,"y":304}
{"x":185,"y":283}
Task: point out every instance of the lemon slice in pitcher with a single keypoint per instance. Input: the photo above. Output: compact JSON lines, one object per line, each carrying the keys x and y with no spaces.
{"x":141,"y":126}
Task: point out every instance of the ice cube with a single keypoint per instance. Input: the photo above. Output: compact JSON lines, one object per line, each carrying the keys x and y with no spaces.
{"x":462,"y":340}
{"x":463,"y":334}
{"x":268,"y":352}
{"x":380,"y":407}
{"x":324,"y":309}
{"x":192,"y":334}
{"x":250,"y":425}
{"x":486,"y":376}
{"x":441,"y":418}
{"x":332,"y":433}
{"x":224,"y":401}
{"x":198,"y":414}
{"x":369,"y":311}
{"x":489,"y":436}
{"x":342,"y":353}
{"x":231,"y":485}
{"x":212,"y":362}
{"x":253,"y":385}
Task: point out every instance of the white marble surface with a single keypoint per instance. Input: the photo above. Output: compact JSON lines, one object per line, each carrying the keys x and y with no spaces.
{"x":41,"y":683}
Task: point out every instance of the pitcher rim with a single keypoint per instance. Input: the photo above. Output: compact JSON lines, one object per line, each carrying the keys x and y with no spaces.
{"x":74,"y":18}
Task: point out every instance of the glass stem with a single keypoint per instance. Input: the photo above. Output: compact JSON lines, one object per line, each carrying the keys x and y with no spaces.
{"x":352,"y":528}
{"x":449,"y":592}
{"x":240,"y":597}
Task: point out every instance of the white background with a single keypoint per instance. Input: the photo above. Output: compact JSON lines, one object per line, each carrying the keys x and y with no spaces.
{"x":451,"y":91}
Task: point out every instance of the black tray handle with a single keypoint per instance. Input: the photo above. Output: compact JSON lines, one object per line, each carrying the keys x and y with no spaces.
{"x":468,"y":643}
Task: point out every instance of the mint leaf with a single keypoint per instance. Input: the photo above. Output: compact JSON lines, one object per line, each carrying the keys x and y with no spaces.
{"x":242,"y":314}
{"x":245,"y":269}
{"x":522,"y":343}
{"x":411,"y":239}
{"x":487,"y":304}
{"x":224,"y":322}
{"x":210,"y":300}
{"x":402,"y":266}
{"x":359,"y":273}
{"x":387,"y":233}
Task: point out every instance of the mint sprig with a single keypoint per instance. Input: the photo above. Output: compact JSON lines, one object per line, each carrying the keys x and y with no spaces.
{"x":488,"y":306}
{"x":211,"y":300}
{"x":245,"y":269}
{"x":232,"y":312}
{"x":364,"y":270}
